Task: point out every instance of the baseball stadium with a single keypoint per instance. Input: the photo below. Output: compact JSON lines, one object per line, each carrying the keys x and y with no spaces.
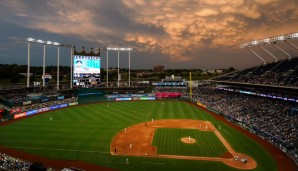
{"x":92,"y":110}
{"x":143,"y":128}
{"x":163,"y":134}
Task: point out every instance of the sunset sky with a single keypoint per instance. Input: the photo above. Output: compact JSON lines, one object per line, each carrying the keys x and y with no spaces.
{"x":201,"y":34}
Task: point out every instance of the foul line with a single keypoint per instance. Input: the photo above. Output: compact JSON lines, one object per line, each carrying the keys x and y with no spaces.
{"x":60,"y":149}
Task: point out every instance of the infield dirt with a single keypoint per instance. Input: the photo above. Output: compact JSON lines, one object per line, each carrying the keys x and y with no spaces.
{"x":137,"y":141}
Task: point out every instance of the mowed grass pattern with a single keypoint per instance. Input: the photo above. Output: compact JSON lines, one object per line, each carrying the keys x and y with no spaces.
{"x":168,"y":141}
{"x":85,"y":133}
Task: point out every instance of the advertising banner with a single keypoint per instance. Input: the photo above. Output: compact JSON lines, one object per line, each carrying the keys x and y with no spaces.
{"x":124,"y":98}
{"x":43,"y":109}
{"x":54,"y":107}
{"x":63,"y":105}
{"x":60,"y":97}
{"x":202,"y":105}
{"x":31,"y":112}
{"x":150,"y":98}
{"x":20,"y":115}
{"x":73,"y":104}
{"x":26,"y":103}
{"x":15,"y":111}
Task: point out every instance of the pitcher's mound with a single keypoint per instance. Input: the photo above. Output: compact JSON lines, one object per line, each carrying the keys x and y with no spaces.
{"x":188,"y":140}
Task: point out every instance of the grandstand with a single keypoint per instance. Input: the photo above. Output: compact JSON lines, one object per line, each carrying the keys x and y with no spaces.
{"x":282,"y":73}
{"x":262,"y":99}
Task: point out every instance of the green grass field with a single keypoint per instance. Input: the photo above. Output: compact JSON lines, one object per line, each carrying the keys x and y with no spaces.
{"x":85,"y":133}
{"x":167,"y":141}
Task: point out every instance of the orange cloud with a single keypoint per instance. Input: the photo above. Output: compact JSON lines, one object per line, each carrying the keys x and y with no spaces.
{"x":169,"y":27}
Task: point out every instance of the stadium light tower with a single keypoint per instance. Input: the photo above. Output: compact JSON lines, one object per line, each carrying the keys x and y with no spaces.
{"x":291,"y":36}
{"x":49,"y":43}
{"x":271,"y":40}
{"x":118,"y":50}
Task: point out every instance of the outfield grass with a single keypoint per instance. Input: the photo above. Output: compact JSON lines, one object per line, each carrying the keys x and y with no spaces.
{"x":168,"y":141}
{"x":85,"y":133}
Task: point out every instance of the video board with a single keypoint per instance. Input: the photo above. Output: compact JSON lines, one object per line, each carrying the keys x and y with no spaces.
{"x":86,"y":70}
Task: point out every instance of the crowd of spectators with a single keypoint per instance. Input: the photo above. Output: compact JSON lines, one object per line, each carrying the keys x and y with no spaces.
{"x":47,"y":104}
{"x":10,"y":163}
{"x":13,"y":164}
{"x":16,"y":96}
{"x":34,"y":98}
{"x":283,"y":73}
{"x":268,"y":117}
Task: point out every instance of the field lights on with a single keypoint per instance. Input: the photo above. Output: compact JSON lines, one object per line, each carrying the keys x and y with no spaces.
{"x":255,"y":42}
{"x":292,"y":35}
{"x":119,"y":49}
{"x":269,"y":40}
{"x":31,"y":40}
{"x":40,"y":41}
{"x":56,"y":43}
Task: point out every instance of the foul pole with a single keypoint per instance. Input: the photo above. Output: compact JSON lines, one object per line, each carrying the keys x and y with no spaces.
{"x":190,"y":86}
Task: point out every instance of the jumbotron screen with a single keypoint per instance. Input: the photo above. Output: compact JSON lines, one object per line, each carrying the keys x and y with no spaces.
{"x":86,"y":70}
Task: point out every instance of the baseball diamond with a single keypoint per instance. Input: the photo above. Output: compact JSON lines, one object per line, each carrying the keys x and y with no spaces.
{"x":142,"y":136}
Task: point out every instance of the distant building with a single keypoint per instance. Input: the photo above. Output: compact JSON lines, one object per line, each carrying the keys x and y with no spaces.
{"x":171,"y":81}
{"x":158,"y":68}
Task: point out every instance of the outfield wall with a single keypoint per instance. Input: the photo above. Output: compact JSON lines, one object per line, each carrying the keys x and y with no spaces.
{"x":45,"y":109}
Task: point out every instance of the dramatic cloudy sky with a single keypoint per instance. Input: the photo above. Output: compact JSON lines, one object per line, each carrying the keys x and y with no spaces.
{"x":175,"y":33}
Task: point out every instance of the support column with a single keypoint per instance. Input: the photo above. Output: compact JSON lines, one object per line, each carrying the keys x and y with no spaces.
{"x":269,"y":53}
{"x":71,"y":67}
{"x":264,"y":62}
{"x":107,"y":68}
{"x":128,"y":68}
{"x":58,"y":70}
{"x":295,"y":47}
{"x":283,"y":51}
{"x":118,"y":69}
{"x":44,"y":65}
{"x":28,"y":66}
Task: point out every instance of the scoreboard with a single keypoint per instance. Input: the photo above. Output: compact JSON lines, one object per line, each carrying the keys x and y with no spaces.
{"x":86,"y":70}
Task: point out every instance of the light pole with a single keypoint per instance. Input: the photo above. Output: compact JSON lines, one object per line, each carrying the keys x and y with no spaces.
{"x":273,"y":41}
{"x":128,"y":68}
{"x":28,"y":66}
{"x":58,"y":59}
{"x":31,"y":40}
{"x":44,"y":65}
{"x":107,"y":68}
{"x":71,"y":67}
{"x":118,"y":50}
{"x":118,"y":68}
